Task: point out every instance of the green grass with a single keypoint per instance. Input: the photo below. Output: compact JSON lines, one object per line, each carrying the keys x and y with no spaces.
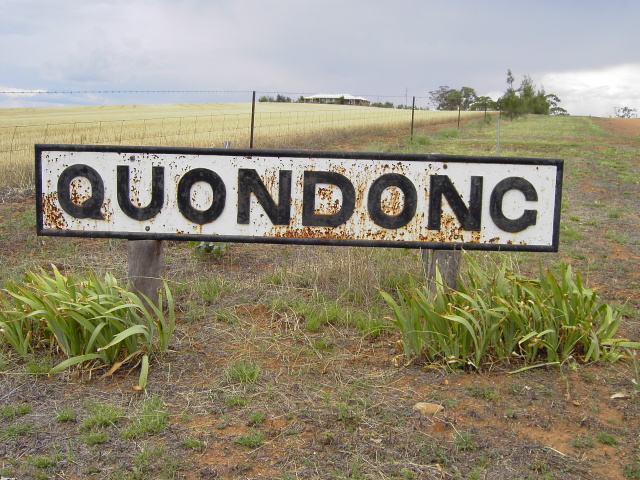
{"x":102,"y":415}
{"x":15,"y":410}
{"x":606,"y":438}
{"x":94,"y":438}
{"x":66,"y":414}
{"x":583,"y":441}
{"x":152,"y":418}
{"x":17,"y":430}
{"x":252,"y":439}
{"x":243,"y":371}
{"x":193,"y":443}
{"x":464,"y":441}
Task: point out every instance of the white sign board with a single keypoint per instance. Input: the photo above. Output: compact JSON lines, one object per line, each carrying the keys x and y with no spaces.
{"x":341,"y":198}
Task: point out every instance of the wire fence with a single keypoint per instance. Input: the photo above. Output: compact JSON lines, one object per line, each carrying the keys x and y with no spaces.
{"x":275,"y":126}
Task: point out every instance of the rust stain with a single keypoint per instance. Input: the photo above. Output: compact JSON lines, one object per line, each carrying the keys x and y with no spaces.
{"x":79,"y":192}
{"x":329,"y":204}
{"x":107,"y":211}
{"x":392,"y":201}
{"x":451,"y":232}
{"x":53,"y":216}
{"x":314,"y":232}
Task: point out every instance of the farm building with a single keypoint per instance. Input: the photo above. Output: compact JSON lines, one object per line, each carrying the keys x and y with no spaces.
{"x":341,"y":99}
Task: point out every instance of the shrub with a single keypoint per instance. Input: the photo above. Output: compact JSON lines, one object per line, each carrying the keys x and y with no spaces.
{"x":91,"y":322}
{"x":502,"y":315}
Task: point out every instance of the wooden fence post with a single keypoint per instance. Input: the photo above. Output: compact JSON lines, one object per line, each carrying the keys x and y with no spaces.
{"x":447,"y":262}
{"x":146,"y":267}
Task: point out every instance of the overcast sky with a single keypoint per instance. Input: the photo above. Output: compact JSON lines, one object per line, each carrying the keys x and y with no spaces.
{"x":584,"y":51}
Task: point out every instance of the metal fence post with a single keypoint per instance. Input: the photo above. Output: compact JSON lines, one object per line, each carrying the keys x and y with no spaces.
{"x":253,"y":114}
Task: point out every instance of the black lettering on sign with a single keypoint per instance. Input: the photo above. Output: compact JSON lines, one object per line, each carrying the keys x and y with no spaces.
{"x":469,"y":218}
{"x":528,"y":218}
{"x":249,"y":181}
{"x":157,"y":194}
{"x":374,"y":200}
{"x":184,"y":196}
{"x":90,"y":208}
{"x":309,"y":215}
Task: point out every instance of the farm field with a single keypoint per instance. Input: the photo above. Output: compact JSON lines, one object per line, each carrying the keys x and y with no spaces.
{"x":276,"y":125}
{"x":282,"y":365}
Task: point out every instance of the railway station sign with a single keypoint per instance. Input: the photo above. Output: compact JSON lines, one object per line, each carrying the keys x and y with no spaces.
{"x":305,"y":197}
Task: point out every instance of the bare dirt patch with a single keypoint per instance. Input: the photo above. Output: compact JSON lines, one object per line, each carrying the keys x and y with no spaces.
{"x":620,"y":126}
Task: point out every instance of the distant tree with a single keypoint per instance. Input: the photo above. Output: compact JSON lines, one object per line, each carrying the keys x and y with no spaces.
{"x":467,"y":98}
{"x":265,"y":98}
{"x":484,"y":103}
{"x":446,"y":98}
{"x":300,"y":99}
{"x":527,"y":99}
{"x":282,"y":99}
{"x":625,"y":112}
{"x":510,"y":78}
{"x":382,"y":105}
{"x":554,"y":109}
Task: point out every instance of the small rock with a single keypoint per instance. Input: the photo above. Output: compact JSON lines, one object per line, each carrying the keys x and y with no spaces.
{"x":427,"y":408}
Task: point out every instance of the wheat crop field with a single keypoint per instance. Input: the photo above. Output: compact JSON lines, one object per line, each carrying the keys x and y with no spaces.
{"x":276,"y":125}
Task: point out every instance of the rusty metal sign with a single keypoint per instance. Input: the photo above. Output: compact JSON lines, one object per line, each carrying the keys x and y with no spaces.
{"x":287,"y":196}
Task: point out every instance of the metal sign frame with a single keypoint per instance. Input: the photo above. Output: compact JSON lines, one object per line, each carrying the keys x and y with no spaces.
{"x":379,"y":199}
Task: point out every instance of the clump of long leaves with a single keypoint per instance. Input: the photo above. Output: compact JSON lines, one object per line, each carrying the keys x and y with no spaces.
{"x":503,"y":316}
{"x":93,"y":323}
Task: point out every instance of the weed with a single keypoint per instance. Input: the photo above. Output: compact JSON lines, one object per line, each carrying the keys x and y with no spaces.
{"x":582,"y":441}
{"x":488,"y":393}
{"x":252,"y":439}
{"x":152,"y":418}
{"x":211,"y":289}
{"x":227,"y":316}
{"x":43,"y":461}
{"x":192,"y":443}
{"x":511,"y":413}
{"x":464,"y":441}
{"x":243,"y":371}
{"x":224,"y":421}
{"x":431,"y":452}
{"x":236,"y":400}
{"x":66,"y":414}
{"x":102,"y":415}
{"x":15,"y":410}
{"x":94,"y":438}
{"x":38,"y":366}
{"x":213,"y":249}
{"x":632,"y":469}
{"x":407,"y":474}
{"x":502,"y":314}
{"x":606,"y":438}
{"x":322,"y":343}
{"x":257,"y":418}
{"x":89,"y":320}
{"x":17,"y":430}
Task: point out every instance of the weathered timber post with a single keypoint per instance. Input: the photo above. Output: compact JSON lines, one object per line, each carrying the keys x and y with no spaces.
{"x":146,"y":267}
{"x":447,"y":262}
